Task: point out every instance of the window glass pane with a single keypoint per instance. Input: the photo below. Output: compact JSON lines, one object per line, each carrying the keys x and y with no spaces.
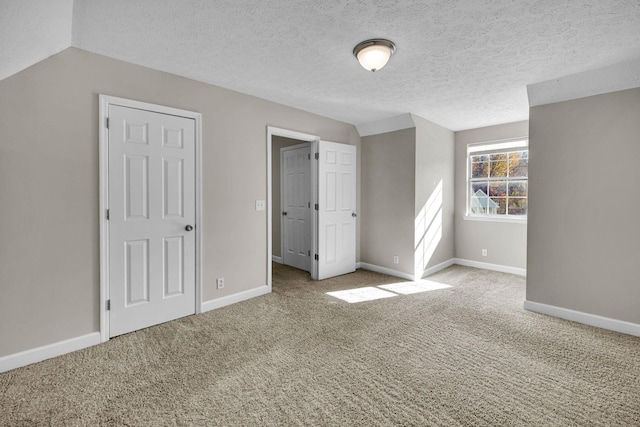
{"x":517,"y":155}
{"x":518,"y":188}
{"x":517,"y":206}
{"x":479,"y":169}
{"x":480,"y":186}
{"x":480,"y":158}
{"x":498,"y":157}
{"x":498,"y":188}
{"x":498,"y":168}
{"x":518,"y":166}
{"x":499,"y":205}
{"x":479,"y":198}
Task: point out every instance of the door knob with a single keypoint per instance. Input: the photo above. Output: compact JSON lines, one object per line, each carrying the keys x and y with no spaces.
{"x":353,"y":214}
{"x":284,"y":213}
{"x":188,"y":228}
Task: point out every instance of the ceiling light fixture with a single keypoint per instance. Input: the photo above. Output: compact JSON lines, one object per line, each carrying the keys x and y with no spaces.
{"x":373,"y":54}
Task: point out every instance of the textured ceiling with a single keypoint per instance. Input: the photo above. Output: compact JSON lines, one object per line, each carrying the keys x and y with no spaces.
{"x":462,"y":64}
{"x":32,"y":30}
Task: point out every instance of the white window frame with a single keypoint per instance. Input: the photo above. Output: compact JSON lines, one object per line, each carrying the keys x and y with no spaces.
{"x":493,"y":147}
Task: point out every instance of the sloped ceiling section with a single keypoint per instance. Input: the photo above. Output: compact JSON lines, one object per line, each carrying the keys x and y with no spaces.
{"x":461,"y":64}
{"x":32,"y":30}
{"x":625,"y":75}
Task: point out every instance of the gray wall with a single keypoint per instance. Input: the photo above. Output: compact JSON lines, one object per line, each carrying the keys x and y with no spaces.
{"x":49,"y":235}
{"x":388,"y":199}
{"x":278,"y":142}
{"x":434,"y":166}
{"x":506,"y":242}
{"x":401,"y":171}
{"x":584,"y":232}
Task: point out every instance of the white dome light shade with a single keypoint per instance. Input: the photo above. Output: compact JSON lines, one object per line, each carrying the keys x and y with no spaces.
{"x":373,"y":54}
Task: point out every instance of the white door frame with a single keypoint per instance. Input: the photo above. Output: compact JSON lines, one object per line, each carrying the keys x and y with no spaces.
{"x":303,"y":137}
{"x":104,"y":102}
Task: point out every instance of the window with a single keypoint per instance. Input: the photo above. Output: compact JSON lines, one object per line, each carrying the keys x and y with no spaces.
{"x":498,"y":184}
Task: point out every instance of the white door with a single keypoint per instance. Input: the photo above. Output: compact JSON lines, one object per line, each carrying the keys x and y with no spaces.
{"x":151,"y":218}
{"x":295,"y":193}
{"x":337,"y":209}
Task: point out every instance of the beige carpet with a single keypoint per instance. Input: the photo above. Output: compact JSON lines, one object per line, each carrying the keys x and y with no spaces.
{"x":464,"y":355}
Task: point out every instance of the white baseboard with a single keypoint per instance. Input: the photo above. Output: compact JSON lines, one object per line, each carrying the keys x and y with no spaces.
{"x":276,"y":259}
{"x":586,"y":318}
{"x":385,"y":270}
{"x":403,"y":275}
{"x":232,"y":299}
{"x":494,"y":267}
{"x":45,"y":352}
{"x":34,"y":355}
{"x":432,"y":270}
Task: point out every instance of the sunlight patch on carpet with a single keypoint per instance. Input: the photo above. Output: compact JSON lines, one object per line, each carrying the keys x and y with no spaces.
{"x":361,"y":294}
{"x":407,"y":288}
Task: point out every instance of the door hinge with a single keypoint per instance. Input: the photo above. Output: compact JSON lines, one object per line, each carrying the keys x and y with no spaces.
{"x":317,"y":207}
{"x":309,"y":157}
{"x":108,"y":304}
{"x":317,"y":155}
{"x":107,"y":214}
{"x":316,"y":257}
{"x":107,"y":124}
{"x":309,"y":204}
{"x":309,"y":253}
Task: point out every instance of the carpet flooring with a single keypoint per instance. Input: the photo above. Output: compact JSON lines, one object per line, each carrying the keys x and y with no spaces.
{"x":468,"y":354}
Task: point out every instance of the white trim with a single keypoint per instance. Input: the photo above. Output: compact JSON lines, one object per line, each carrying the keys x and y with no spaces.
{"x":277,"y":259}
{"x":494,"y":267}
{"x":585,"y":318}
{"x":385,"y":270}
{"x":45,"y":352}
{"x":103,"y":165}
{"x":103,"y":138}
{"x":391,"y":272}
{"x":499,"y":145}
{"x":495,"y":218}
{"x":274,"y":131}
{"x":235,"y":298}
{"x":315,"y":149}
{"x":391,"y":124}
{"x":432,"y":270}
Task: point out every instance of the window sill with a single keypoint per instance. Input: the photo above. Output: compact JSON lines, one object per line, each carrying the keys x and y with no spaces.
{"x":495,"y":219}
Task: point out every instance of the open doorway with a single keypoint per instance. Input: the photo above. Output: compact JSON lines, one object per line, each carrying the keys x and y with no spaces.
{"x":279,"y":140}
{"x":332,"y":205}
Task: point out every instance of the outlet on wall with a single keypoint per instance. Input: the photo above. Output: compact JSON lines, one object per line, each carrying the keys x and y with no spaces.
{"x":484,"y":252}
{"x":396,"y":259}
{"x":220,"y":282}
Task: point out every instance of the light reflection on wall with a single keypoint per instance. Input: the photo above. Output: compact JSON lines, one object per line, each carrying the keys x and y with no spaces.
{"x":428,"y":231}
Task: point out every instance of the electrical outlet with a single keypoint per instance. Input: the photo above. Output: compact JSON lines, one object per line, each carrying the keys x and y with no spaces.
{"x":220,"y":282}
{"x":260,"y":205}
{"x":484,"y":252}
{"x":396,"y":259}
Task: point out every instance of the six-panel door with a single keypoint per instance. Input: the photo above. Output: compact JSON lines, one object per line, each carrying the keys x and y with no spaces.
{"x":296,"y":197}
{"x":151,"y":205}
{"x":337,"y":209}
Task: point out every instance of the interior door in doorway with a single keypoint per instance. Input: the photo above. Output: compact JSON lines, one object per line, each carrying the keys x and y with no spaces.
{"x":151,"y":218}
{"x":336,"y":238}
{"x":296,"y":206}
